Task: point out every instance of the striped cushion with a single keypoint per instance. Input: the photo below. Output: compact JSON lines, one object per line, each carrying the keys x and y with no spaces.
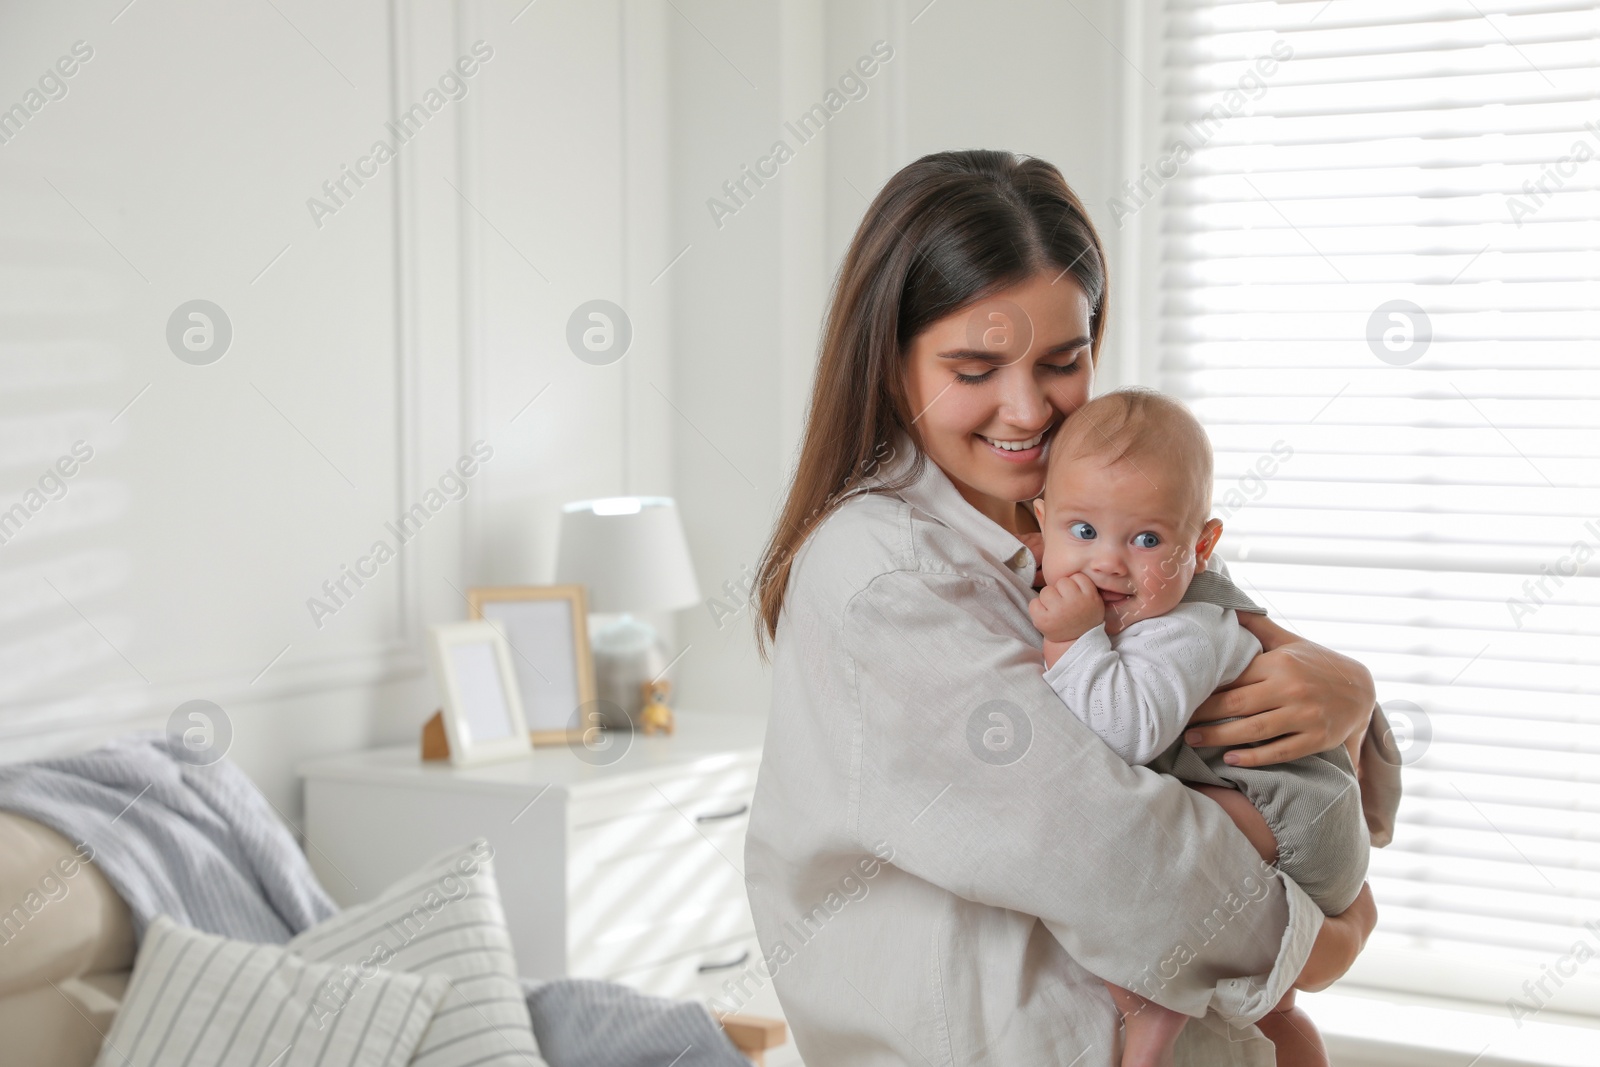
{"x":196,"y":998}
{"x":445,"y":919}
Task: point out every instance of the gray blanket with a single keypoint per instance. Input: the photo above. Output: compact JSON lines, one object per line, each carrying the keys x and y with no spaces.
{"x":585,"y":1023}
{"x":198,"y":843}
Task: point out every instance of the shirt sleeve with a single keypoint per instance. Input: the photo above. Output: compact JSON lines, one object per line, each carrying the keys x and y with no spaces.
{"x":1137,"y":694}
{"x":984,"y":785}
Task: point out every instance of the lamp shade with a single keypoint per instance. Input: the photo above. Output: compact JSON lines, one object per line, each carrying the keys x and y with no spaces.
{"x":629,"y":551}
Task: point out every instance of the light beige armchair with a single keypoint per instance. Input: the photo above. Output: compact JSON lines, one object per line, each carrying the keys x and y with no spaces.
{"x":66,"y":949}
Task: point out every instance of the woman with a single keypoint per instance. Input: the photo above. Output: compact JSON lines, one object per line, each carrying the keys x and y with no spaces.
{"x":941,"y":861}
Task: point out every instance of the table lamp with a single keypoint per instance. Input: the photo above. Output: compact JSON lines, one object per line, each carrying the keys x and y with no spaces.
{"x":631,"y":554}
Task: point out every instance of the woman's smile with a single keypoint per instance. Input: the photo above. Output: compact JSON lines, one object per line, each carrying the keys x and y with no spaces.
{"x":1015,"y":450}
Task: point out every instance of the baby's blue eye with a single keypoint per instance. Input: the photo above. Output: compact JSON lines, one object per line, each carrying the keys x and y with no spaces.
{"x":1082,"y":531}
{"x":1146,"y":540}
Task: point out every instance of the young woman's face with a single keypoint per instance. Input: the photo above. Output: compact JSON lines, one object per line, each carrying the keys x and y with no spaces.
{"x":988,"y":383}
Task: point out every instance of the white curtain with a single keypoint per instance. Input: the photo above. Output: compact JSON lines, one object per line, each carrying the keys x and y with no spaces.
{"x":1379,"y":232}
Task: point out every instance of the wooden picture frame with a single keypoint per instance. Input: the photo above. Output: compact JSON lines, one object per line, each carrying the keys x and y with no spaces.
{"x":482,"y":705}
{"x":546,"y":628}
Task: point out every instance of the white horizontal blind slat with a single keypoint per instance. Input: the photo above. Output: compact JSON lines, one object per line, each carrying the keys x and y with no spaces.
{"x":1435,"y":511}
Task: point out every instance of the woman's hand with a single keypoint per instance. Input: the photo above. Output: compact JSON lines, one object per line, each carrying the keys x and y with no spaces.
{"x":1338,"y":943}
{"x":1307,"y":697}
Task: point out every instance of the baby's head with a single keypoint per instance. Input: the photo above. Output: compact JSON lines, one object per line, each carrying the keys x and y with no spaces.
{"x":1127,"y":501}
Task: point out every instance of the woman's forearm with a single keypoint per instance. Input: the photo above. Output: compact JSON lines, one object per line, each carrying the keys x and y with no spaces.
{"x":1338,"y":943}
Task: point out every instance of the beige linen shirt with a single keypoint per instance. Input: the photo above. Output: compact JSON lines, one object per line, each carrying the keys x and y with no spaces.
{"x":943,"y":862}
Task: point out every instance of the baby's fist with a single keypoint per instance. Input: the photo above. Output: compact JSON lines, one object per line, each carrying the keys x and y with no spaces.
{"x":1068,"y":609}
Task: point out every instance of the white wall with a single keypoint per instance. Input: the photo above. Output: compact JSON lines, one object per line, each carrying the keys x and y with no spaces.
{"x":365,"y":360}
{"x":179,"y":561}
{"x":426,"y":313}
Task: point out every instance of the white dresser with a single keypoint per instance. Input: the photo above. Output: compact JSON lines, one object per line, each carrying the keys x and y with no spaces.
{"x":629,"y":868}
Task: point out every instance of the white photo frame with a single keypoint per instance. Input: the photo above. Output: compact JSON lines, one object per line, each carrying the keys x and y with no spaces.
{"x":481,"y":705}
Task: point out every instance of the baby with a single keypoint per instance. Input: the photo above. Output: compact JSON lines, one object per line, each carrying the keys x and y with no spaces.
{"x":1137,"y":632}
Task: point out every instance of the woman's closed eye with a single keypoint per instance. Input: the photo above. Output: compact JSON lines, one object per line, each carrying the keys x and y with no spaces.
{"x":1053,"y":369}
{"x":1072,"y":366}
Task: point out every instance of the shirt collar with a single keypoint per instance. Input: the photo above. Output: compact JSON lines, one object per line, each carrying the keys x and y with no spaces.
{"x":935,"y":495}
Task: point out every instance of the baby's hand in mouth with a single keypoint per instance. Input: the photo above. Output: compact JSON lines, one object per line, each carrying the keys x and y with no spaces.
{"x":1068,"y":609}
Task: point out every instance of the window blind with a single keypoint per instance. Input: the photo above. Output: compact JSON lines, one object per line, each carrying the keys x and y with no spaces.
{"x":1379,"y":249}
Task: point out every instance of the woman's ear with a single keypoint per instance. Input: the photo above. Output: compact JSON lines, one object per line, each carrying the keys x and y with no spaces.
{"x":1210,"y":534}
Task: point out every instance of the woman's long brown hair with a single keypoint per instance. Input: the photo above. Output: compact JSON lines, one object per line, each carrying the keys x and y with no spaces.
{"x":944,"y":232}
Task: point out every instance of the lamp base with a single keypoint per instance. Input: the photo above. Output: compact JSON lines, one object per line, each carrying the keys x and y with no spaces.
{"x":627,"y":654}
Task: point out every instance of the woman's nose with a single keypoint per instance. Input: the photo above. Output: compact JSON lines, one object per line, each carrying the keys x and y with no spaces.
{"x":1024,"y":403}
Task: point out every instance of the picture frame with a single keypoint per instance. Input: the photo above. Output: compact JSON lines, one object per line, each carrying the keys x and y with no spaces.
{"x":546,"y":628}
{"x":481,"y":701}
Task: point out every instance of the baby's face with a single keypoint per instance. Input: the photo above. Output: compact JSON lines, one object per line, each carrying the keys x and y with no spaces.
{"x":1125,"y":526}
